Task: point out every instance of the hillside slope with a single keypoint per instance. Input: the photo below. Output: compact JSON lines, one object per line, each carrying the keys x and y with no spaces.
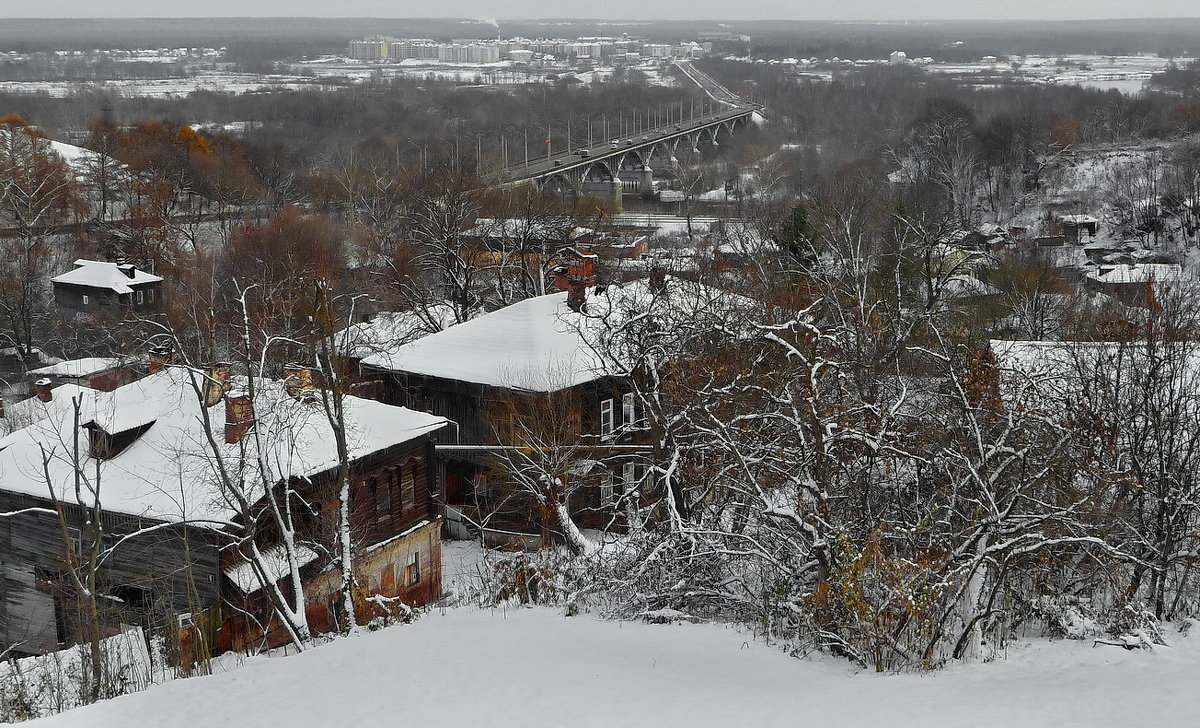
{"x":465,"y":667}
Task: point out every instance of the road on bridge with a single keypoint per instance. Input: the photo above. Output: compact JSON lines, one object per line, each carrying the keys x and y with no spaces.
{"x":582,"y":155}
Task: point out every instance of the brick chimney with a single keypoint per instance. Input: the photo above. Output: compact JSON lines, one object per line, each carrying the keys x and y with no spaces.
{"x":161,"y":357}
{"x":216,"y":383}
{"x":581,"y":273}
{"x":299,"y":380}
{"x":239,"y":417}
{"x":42,"y":387}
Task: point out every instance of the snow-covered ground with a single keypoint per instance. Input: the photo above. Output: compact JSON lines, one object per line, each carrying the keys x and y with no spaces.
{"x":229,"y":82}
{"x":464,"y":667}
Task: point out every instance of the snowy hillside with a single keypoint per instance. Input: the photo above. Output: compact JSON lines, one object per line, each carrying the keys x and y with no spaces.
{"x":464,"y":667}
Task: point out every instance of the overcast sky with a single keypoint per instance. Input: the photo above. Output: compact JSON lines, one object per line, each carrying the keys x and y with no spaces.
{"x":631,"y":9}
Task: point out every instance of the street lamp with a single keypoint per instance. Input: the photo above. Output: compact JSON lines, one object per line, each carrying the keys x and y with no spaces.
{"x":423,"y":150}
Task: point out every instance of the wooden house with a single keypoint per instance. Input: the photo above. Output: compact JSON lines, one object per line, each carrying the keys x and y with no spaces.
{"x":169,"y":525}
{"x":1131,"y":283}
{"x":543,"y":358}
{"x":158,"y":545}
{"x":102,"y":373}
{"x":95,"y":285}
{"x":395,"y":526}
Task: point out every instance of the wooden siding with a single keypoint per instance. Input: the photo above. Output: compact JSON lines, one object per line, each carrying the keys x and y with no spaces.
{"x":70,"y":296}
{"x":387,"y":529}
{"x":177,"y":566}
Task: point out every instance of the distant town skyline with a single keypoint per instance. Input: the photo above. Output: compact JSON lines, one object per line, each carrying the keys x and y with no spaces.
{"x":855,"y":10}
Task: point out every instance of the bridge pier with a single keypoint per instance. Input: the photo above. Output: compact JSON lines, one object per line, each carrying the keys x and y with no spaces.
{"x":609,"y":189}
{"x":646,"y":182}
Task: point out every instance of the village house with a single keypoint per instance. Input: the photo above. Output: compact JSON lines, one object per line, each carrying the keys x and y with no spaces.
{"x":1075,"y":228}
{"x":95,"y":372}
{"x":159,"y":545}
{"x":1130,"y":283}
{"x":547,"y":348}
{"x":169,"y":537}
{"x":94,"y":284}
{"x":394,"y":515}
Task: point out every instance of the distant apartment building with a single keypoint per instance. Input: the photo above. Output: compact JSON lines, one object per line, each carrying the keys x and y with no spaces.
{"x":469,"y":53}
{"x":368,"y":50}
{"x":520,"y":50}
{"x":413,"y":48}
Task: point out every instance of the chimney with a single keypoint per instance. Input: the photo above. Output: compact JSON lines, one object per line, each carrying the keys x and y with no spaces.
{"x":658,"y":279}
{"x":129,"y":269}
{"x":298,"y":381}
{"x":42,"y":386}
{"x":581,"y":273}
{"x":239,"y":416}
{"x":1,"y":406}
{"x":216,"y":383}
{"x":161,"y":357}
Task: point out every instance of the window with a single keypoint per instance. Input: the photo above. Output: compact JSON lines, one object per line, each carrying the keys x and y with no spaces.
{"x":150,"y":295}
{"x":606,"y":418}
{"x":76,"y":537}
{"x":632,"y":475}
{"x":606,"y":490}
{"x":383,"y":497}
{"x":141,"y":297}
{"x":86,"y":300}
{"x":413,"y":570}
{"x":408,"y":487}
{"x":627,"y":411}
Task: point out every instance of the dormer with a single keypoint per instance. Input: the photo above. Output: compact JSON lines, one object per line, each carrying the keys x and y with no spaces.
{"x":105,"y":445}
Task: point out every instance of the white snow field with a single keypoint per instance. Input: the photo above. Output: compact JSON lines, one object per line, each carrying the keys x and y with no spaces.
{"x":523,"y":667}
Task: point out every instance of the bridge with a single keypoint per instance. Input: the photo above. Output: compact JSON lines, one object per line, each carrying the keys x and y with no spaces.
{"x":608,"y":168}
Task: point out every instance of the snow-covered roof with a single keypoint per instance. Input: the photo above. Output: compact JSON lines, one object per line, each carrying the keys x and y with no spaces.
{"x":1142,"y":273}
{"x":110,"y":276}
{"x":84,"y":367}
{"x":273,"y":561}
{"x":540,"y":344}
{"x":1078,"y":219}
{"x":390,"y":329}
{"x":534,"y":345}
{"x":965,"y":286}
{"x":512,"y":228}
{"x":169,"y":471}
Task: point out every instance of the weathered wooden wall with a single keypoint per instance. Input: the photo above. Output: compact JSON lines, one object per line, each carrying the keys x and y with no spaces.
{"x":177,"y":564}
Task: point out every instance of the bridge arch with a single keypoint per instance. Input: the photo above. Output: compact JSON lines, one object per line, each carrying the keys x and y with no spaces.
{"x":599,"y":171}
{"x":560,"y":185}
{"x":634,"y":160}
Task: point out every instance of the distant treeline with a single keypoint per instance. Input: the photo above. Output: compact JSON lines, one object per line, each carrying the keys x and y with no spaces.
{"x":1179,"y":79}
{"x":267,"y":39}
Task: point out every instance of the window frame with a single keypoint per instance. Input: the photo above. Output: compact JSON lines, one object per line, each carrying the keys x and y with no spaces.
{"x":412,"y":570}
{"x":607,"y":417}
{"x":608,"y":489}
